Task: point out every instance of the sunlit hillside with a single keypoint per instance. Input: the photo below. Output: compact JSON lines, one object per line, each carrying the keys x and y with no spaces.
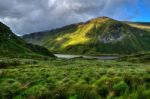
{"x":101,"y":35}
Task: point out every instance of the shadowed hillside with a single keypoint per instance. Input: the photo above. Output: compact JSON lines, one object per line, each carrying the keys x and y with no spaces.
{"x":13,"y":46}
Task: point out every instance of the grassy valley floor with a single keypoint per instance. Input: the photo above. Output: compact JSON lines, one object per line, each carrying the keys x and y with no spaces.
{"x":73,"y":79}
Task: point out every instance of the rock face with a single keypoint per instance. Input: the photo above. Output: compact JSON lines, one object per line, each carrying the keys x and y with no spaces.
{"x":101,"y":35}
{"x":112,"y":38}
{"x":13,"y":46}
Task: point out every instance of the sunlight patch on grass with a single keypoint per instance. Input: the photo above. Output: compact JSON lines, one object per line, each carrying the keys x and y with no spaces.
{"x":139,"y":26}
{"x":78,"y":37}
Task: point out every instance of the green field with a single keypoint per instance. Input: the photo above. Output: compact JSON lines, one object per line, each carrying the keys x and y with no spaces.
{"x":73,"y":79}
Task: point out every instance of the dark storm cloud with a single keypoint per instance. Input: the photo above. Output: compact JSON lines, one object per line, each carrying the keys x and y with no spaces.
{"x":25,"y":16}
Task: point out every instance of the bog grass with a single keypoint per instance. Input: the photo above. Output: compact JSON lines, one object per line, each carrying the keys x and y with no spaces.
{"x":74,"y":79}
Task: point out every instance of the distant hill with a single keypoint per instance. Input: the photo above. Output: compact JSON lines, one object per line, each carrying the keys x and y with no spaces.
{"x":13,"y":46}
{"x":138,"y":57}
{"x":101,"y":35}
{"x":141,"y":25}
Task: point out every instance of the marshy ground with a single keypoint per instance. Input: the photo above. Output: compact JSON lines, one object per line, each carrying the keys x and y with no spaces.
{"x":73,"y":79}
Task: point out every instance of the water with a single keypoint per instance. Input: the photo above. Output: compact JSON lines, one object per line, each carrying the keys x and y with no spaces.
{"x":69,"y":56}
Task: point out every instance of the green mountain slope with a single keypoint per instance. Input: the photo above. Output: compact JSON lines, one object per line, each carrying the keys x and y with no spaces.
{"x":138,"y":57}
{"x":98,"y":36}
{"x":13,"y":46}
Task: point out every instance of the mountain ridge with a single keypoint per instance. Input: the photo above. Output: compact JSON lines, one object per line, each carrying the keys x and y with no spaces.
{"x":101,"y":35}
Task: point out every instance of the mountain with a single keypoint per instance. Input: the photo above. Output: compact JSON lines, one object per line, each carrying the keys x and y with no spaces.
{"x":101,"y":35}
{"x":13,"y":46}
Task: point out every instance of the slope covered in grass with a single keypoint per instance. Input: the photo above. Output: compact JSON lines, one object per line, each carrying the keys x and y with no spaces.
{"x":97,"y":36}
{"x":143,"y":57}
{"x":13,"y":46}
{"x":141,"y":25}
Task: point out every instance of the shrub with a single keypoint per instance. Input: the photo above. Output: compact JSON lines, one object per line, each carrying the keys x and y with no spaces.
{"x":120,"y":87}
{"x":9,"y":88}
{"x":83,"y":91}
{"x":36,"y":91}
{"x":103,"y":90}
{"x":6,"y":63}
{"x":146,"y":94}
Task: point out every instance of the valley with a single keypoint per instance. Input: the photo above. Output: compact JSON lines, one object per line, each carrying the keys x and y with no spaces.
{"x":100,"y":59}
{"x":74,"y":49}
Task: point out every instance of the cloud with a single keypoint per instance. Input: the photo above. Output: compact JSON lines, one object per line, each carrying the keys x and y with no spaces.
{"x":26,"y":16}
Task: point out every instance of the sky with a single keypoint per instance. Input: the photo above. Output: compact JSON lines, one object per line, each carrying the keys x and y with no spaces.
{"x":27,"y":16}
